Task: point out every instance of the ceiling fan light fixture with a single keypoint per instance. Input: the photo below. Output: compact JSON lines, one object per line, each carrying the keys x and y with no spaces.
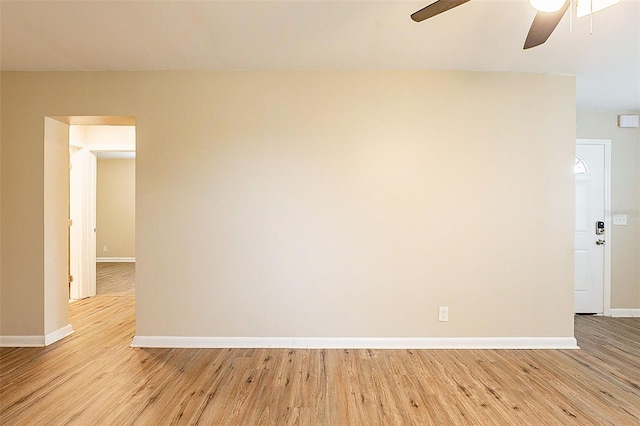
{"x":547,"y":5}
{"x":587,"y":7}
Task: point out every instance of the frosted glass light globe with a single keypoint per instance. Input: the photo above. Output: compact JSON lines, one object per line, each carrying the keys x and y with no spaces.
{"x":547,"y":5}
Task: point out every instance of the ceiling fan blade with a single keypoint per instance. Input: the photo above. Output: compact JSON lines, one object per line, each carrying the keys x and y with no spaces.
{"x":436,"y":8}
{"x":543,"y":25}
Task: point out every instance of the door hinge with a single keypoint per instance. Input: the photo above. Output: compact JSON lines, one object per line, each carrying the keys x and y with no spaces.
{"x":70,"y":166}
{"x":70,"y":222}
{"x":70,"y":279}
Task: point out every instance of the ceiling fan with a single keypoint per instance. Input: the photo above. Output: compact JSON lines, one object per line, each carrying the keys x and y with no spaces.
{"x":548,"y":16}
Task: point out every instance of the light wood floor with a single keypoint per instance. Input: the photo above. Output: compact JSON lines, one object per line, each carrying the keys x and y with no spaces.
{"x":116,"y":278}
{"x":94,"y":377}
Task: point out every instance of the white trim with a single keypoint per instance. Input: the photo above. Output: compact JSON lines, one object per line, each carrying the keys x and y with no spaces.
{"x":59,"y":334}
{"x":115,"y":259}
{"x":357,"y":342}
{"x":109,"y":147}
{"x":606,"y":299}
{"x":625,"y":313}
{"x":115,"y":155}
{"x":21,"y":341}
{"x":36,"y":341}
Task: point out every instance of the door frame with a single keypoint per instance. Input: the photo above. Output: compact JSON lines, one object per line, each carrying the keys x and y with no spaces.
{"x":606,"y":143}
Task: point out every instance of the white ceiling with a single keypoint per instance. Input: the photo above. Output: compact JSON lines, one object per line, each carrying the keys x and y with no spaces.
{"x":361,"y":34}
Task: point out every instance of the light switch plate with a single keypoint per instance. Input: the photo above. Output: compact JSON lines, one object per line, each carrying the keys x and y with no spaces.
{"x":619,"y":219}
{"x":443,"y":314}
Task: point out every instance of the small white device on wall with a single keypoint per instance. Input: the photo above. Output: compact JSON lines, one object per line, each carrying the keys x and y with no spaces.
{"x":628,"y":120}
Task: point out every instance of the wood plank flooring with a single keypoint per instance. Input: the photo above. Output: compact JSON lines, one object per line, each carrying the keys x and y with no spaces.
{"x":116,"y":278}
{"x":94,"y":378}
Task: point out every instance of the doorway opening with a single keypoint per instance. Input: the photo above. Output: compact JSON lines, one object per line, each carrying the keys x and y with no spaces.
{"x":115,"y":220}
{"x":101,"y":206}
{"x":69,"y":241}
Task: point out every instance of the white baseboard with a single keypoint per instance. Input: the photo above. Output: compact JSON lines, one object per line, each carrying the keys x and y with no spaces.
{"x":21,"y":341}
{"x":35,"y":341}
{"x":625,"y":313}
{"x":115,"y":259}
{"x":59,"y":334}
{"x":356,"y":343}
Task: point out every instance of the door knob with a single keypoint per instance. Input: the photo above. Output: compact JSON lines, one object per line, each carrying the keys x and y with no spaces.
{"x":600,"y":242}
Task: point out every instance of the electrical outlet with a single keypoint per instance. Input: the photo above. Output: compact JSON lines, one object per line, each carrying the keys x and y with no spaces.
{"x":104,"y":248}
{"x":443,"y":314}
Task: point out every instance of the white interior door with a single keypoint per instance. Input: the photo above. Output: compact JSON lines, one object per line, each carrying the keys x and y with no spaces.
{"x":82,"y":237}
{"x":589,"y":244}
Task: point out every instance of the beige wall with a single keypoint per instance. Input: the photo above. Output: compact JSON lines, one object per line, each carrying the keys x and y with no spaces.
{"x":625,"y":199}
{"x":22,"y":251}
{"x":103,"y":136}
{"x":0,"y":209}
{"x":111,"y":135}
{"x":320,"y":203}
{"x":115,"y":208}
